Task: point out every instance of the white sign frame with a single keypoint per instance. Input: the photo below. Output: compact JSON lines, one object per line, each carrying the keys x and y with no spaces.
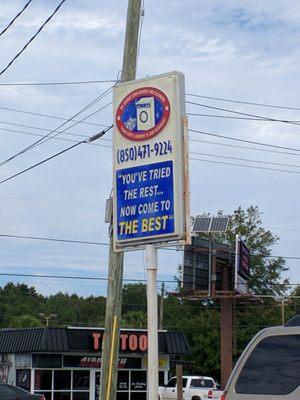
{"x":167,"y":147}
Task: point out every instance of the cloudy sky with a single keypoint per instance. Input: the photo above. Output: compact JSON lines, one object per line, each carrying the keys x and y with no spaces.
{"x":245,"y":51}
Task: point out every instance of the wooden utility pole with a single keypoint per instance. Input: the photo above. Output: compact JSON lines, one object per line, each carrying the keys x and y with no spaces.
{"x":110,"y":350}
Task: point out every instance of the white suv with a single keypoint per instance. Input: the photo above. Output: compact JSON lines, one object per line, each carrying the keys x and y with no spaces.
{"x":269,"y":367}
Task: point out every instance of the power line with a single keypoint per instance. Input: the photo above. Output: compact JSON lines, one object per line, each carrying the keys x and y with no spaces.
{"x":225,"y":116}
{"x":109,"y":140}
{"x":32,"y":38}
{"x":55,"y":240}
{"x":242,"y":113}
{"x":17,"y":16}
{"x":91,"y":139}
{"x":46,"y":137}
{"x":76,"y":277}
{"x":242,"y":147}
{"x":105,"y":278}
{"x":45,"y":129}
{"x":57,"y":83}
{"x":43,"y":238}
{"x":244,"y":102}
{"x":245,"y":159}
{"x":237,"y":118}
{"x":244,"y":140}
{"x":245,"y":166}
{"x":56,"y":203}
{"x":56,"y":138}
{"x":49,"y":116}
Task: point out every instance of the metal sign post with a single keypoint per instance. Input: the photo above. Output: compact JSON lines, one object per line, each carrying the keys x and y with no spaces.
{"x":152,"y":320}
{"x":151,"y":190}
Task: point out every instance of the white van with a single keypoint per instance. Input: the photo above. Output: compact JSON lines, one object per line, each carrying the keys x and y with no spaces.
{"x":269,"y":367}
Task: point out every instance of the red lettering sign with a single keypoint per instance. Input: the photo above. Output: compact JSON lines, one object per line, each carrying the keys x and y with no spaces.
{"x":132,"y":342}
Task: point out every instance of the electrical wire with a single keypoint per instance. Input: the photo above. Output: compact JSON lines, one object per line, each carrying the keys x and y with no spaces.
{"x":92,"y":138}
{"x":244,"y":102}
{"x":245,"y":159}
{"x":244,"y":140}
{"x":57,"y":83}
{"x":57,"y":138}
{"x":49,"y":116}
{"x":45,"y":129}
{"x":237,"y":118}
{"x":192,"y":152}
{"x":243,"y":147}
{"x":245,"y":166}
{"x":32,"y":38}
{"x":242,"y":113}
{"x":49,"y":202}
{"x":41,"y":238}
{"x":17,"y":16}
{"x":109,"y":140}
{"x":45,"y":137}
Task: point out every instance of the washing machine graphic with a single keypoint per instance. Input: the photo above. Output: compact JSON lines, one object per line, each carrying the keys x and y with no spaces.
{"x":145,"y":110}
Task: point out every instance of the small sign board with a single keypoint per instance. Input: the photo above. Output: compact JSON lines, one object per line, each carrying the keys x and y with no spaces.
{"x":242,"y":266}
{"x":151,"y":191}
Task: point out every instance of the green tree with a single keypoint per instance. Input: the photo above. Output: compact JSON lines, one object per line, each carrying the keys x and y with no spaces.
{"x":266,"y":270}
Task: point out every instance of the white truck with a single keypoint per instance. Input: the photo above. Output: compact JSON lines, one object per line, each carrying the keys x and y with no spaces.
{"x":194,"y":388}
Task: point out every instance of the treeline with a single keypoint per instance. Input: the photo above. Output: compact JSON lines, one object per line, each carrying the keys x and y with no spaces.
{"x":20,"y":306}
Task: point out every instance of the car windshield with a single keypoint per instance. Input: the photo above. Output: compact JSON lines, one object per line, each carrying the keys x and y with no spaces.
{"x":202,"y":383}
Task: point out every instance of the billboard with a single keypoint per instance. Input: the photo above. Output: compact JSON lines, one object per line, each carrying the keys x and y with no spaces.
{"x":150,"y":166}
{"x":242,"y":266}
{"x":196,"y":264}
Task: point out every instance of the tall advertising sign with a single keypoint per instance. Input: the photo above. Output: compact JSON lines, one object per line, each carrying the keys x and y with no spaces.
{"x":150,"y":151}
{"x":242,"y":266}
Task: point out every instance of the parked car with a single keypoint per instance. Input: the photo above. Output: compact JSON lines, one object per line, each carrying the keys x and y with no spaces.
{"x":194,"y":388}
{"x":269,"y":367}
{"x":10,"y":392}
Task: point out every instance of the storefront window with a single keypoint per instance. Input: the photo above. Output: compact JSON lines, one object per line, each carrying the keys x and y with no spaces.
{"x":138,"y":396}
{"x":62,"y":396}
{"x":43,"y":379}
{"x":122,"y":396}
{"x":47,"y":395}
{"x":23,"y":379}
{"x":81,"y":396}
{"x":81,"y":380}
{"x":62,"y":380}
{"x":138,"y":380}
{"x":123,"y":380}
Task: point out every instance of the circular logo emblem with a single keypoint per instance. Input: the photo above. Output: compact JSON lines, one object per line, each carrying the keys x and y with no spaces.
{"x":143,"y":113}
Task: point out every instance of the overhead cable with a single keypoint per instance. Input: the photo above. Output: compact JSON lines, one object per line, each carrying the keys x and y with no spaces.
{"x":89,"y":140}
{"x":251,"y":103}
{"x":245,"y":166}
{"x":56,"y":83}
{"x":48,"y":116}
{"x":17,"y":16}
{"x":32,"y":38}
{"x":238,"y":118}
{"x":45,"y":137}
{"x":86,"y":242}
{"x":243,"y":147}
{"x":245,"y":159}
{"x":285,"y":121}
{"x":244,"y":140}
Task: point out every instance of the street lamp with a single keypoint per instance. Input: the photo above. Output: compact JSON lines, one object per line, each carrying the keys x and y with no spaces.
{"x":47,"y":317}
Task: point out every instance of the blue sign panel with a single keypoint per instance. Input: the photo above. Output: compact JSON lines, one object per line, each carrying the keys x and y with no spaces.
{"x":145,"y":201}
